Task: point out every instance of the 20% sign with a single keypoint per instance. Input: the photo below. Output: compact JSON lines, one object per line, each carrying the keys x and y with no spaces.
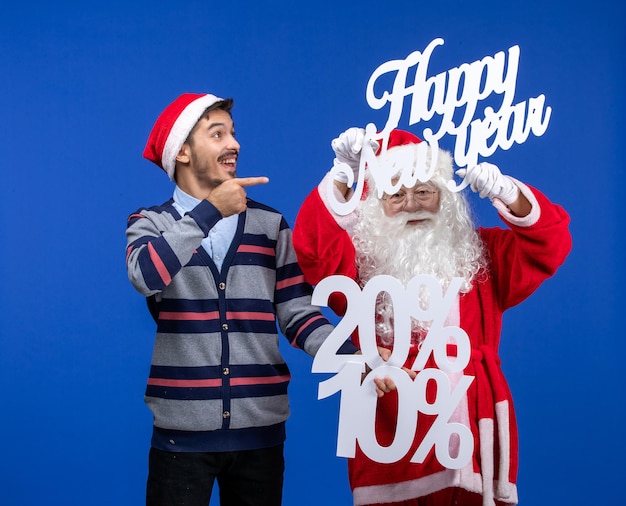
{"x":358,"y":397}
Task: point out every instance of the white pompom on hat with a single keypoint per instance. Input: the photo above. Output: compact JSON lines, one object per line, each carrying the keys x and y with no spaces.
{"x":172,"y":128}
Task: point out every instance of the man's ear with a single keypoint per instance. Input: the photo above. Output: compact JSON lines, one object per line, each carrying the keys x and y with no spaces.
{"x":184,"y":155}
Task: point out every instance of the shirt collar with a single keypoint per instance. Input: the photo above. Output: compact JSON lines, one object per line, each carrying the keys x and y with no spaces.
{"x":184,"y":200}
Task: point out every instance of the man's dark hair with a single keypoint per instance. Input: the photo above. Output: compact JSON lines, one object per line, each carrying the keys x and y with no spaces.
{"x":223,"y":105}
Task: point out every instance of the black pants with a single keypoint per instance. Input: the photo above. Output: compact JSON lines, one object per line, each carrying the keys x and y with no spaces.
{"x":250,"y":477}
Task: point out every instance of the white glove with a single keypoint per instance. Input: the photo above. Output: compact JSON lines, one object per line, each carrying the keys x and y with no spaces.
{"x":347,"y":148}
{"x":487,"y":180}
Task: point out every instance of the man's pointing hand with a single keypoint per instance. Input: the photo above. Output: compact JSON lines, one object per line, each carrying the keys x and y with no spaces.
{"x":230,"y":198}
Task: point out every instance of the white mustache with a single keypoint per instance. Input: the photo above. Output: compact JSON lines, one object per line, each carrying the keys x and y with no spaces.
{"x":404,"y":218}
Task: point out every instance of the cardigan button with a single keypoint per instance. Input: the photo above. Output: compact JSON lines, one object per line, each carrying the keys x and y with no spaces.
{"x":225,"y":326}
{"x":226,"y":414}
{"x":226,"y":371}
{"x":222,"y":286}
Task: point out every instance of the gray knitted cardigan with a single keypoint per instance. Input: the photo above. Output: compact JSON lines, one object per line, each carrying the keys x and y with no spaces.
{"x":218,"y":381}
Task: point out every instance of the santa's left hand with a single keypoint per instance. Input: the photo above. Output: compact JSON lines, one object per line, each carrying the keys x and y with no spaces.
{"x":384,"y":386}
{"x":487,"y":180}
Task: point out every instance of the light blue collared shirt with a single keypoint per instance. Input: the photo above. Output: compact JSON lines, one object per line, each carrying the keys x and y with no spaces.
{"x":220,"y":236}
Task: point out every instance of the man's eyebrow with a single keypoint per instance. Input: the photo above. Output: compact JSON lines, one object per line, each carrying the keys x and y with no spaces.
{"x":218,"y":124}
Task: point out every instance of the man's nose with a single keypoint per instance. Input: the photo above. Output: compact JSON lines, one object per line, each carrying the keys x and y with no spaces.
{"x":233,"y":144}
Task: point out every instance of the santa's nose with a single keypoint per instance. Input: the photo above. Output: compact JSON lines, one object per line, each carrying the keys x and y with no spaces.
{"x":411,"y":203}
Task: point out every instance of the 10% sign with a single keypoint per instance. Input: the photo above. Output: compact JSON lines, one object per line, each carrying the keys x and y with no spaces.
{"x":358,"y":396}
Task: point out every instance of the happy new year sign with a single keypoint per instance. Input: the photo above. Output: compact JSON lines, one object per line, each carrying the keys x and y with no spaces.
{"x":461,"y":88}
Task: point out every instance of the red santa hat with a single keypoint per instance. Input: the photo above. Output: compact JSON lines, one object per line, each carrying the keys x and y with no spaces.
{"x":172,"y":128}
{"x":399,"y":138}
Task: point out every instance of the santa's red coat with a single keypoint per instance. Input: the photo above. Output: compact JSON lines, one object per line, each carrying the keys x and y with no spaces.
{"x":521,"y":257}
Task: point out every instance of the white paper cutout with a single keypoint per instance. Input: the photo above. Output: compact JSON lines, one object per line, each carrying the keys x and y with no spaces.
{"x":358,"y":398}
{"x":438,"y":95}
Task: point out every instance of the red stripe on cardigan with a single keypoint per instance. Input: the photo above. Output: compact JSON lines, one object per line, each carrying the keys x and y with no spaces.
{"x":249,"y":248}
{"x":290,"y":282}
{"x":249,"y":315}
{"x":188,"y":315}
{"x":295,"y":339}
{"x":159,"y":265}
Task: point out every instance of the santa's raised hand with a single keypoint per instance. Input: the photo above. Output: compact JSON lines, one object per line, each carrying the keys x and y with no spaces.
{"x":487,"y":180}
{"x":347,"y":148}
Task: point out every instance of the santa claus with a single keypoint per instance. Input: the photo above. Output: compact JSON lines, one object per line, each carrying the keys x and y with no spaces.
{"x":427,"y":229}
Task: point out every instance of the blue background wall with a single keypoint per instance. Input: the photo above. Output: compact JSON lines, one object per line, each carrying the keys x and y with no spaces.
{"x":80,"y":88}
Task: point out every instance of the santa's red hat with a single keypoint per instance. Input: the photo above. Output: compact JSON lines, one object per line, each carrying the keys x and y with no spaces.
{"x":399,"y":138}
{"x":172,"y":128}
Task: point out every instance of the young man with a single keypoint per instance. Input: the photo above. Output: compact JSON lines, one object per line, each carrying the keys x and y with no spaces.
{"x":219,"y":272}
{"x":427,"y":229}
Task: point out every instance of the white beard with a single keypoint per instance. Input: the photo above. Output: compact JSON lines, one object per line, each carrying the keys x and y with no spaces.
{"x":445,"y":245}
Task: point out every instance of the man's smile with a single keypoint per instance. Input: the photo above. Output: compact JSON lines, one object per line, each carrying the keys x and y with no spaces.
{"x":229,"y":158}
